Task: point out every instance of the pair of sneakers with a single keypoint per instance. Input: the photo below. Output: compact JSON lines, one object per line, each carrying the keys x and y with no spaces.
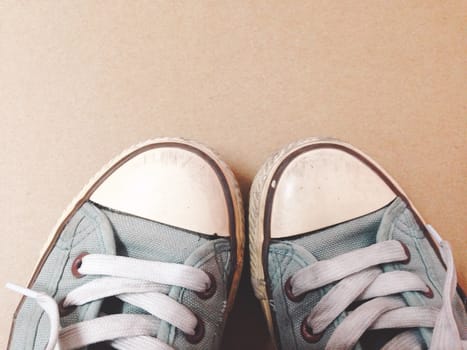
{"x":150,"y":253}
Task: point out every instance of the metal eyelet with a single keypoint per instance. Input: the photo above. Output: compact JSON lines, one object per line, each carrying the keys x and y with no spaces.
{"x":199,"y":332}
{"x":210,"y":291}
{"x":407,"y":253}
{"x":307,"y":333}
{"x":429,"y":292}
{"x":290,"y":295}
{"x":77,"y":264}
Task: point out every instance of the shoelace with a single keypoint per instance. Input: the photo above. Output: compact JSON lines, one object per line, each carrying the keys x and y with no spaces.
{"x":138,"y":282}
{"x":361,"y":280}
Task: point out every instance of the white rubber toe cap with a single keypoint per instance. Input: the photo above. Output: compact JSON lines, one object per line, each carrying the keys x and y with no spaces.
{"x":322,"y":187}
{"x":178,"y":185}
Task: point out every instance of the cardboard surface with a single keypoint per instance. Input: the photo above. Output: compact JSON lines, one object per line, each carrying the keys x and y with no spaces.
{"x":81,"y":81}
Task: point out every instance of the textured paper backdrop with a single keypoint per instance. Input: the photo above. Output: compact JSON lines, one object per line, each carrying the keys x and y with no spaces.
{"x":80,"y":81}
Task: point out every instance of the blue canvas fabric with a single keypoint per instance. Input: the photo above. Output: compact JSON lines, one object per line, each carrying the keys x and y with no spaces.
{"x":395,"y":221}
{"x":94,"y":229}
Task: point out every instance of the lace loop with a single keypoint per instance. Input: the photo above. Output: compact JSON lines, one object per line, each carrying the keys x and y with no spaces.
{"x":325,"y":272}
{"x":179,"y":275}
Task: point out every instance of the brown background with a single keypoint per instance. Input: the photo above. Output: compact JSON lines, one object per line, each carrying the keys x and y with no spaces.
{"x":81,"y":81}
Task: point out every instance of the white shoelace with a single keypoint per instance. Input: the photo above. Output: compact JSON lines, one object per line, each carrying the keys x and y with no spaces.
{"x":138,"y":282}
{"x":361,"y":280}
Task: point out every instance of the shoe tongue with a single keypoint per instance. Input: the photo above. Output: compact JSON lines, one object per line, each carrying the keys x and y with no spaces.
{"x":144,"y":239}
{"x":342,"y":238}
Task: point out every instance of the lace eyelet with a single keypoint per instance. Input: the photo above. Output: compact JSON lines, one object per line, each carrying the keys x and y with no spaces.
{"x":210,"y":291}
{"x":429,"y":292}
{"x":77,"y":264}
{"x":307,"y":333}
{"x":407,"y":253}
{"x":199,"y":332}
{"x":288,"y":292}
{"x":65,"y":310}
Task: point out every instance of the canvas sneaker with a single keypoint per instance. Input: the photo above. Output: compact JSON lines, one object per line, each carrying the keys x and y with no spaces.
{"x":341,"y":259}
{"x":148,"y":256}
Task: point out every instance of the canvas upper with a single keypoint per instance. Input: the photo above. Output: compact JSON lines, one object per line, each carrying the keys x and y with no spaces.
{"x":394,"y":222}
{"x":120,"y":278}
{"x":341,"y":259}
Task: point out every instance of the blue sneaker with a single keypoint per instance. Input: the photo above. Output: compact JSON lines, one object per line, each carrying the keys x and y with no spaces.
{"x":148,"y":256}
{"x":341,"y":259}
